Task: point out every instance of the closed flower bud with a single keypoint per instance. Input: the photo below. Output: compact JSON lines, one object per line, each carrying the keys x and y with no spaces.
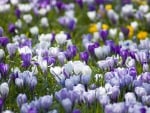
{"x":140,"y":91}
{"x":21,"y":99}
{"x":46,"y":102}
{"x":2,"y":53}
{"x":67,"y":104}
{"x":19,"y":82}
{"x":4,"y":89}
{"x":44,"y":22}
{"x":145,"y":67}
{"x":69,"y":84}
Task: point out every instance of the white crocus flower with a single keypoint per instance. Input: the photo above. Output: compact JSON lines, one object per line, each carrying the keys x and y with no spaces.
{"x":54,"y":51}
{"x":113,"y":33}
{"x":27,"y":18}
{"x":147,"y":16}
{"x":61,"y":38}
{"x":42,"y":11}
{"x":86,"y":70}
{"x":25,"y":50}
{"x":127,"y":10}
{"x":14,"y":2}
{"x":2,"y":53}
{"x":144,"y":8}
{"x":18,"y":23}
{"x":44,"y":22}
{"x":69,"y":13}
{"x":25,"y":7}
{"x":56,"y":71}
{"x":7,"y":111}
{"x":99,"y":52}
{"x":4,"y":89}
{"x":130,"y":62}
{"x":91,"y":15}
{"x":46,"y":37}
{"x":34,"y":30}
{"x":43,"y":65}
{"x":134,"y":25}
{"x":4,"y":7}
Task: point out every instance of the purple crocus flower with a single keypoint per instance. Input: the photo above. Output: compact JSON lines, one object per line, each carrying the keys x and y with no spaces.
{"x":72,"y":51}
{"x":91,"y":47}
{"x":4,"y":69}
{"x":99,"y":1}
{"x":71,"y":24}
{"x":125,"y":31}
{"x":68,"y":36}
{"x":110,"y":43}
{"x":32,"y":110}
{"x":84,"y":56}
{"x":32,"y":83}
{"x":11,"y":48}
{"x":76,"y":111}
{"x":50,"y":60}
{"x":133,"y":72}
{"x":1,"y":103}
{"x":59,"y":5}
{"x":124,"y":55}
{"x":4,"y":41}
{"x":46,"y":102}
{"x":43,"y":3}
{"x":11,"y":28}
{"x":91,"y":7}
{"x":125,"y":2}
{"x":17,"y":13}
{"x":80,"y":3}
{"x":26,"y":58}
{"x":104,"y":34}
{"x":21,"y":99}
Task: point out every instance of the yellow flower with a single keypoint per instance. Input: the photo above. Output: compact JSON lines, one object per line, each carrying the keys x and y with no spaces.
{"x":105,"y":26}
{"x":131,"y":31}
{"x":142,"y":35}
{"x":108,"y":7}
{"x":93,"y":28}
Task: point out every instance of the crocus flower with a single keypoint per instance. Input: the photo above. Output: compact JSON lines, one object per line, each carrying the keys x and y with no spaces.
{"x":11,"y":28}
{"x":104,"y":34}
{"x":69,"y":84}
{"x":4,"y":69}
{"x":4,"y":89}
{"x":84,"y":56}
{"x":76,"y":111}
{"x":17,"y":13}
{"x":80,"y":3}
{"x":67,"y":104}
{"x":26,"y":58}
{"x":21,"y":99}
{"x":2,"y":53}
{"x":4,"y":41}
{"x":11,"y":48}
{"x":19,"y":82}
{"x":61,"y":38}
{"x":44,"y":22}
{"x":1,"y":103}
{"x":46,"y":101}
{"x":140,"y":91}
